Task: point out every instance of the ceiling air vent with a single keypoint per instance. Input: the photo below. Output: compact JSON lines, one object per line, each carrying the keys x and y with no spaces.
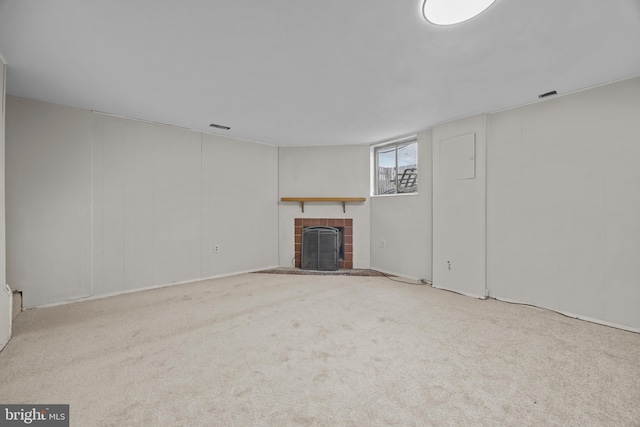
{"x":219,"y":126}
{"x":544,"y":95}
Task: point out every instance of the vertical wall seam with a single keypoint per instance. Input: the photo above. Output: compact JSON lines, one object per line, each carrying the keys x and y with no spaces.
{"x":486,"y":174}
{"x":153,"y":211}
{"x":278,"y":205}
{"x":201,"y":204}
{"x":102,"y":206}
{"x":91,"y":202}
{"x":124,"y":216}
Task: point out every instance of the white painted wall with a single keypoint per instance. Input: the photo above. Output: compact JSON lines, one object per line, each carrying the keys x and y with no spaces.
{"x":5,"y":293}
{"x":563,"y":204}
{"x":339,"y":171}
{"x":459,"y":206}
{"x":239,"y":205}
{"x":146,"y":205}
{"x":48,"y":206}
{"x":404,"y":223}
{"x":98,"y":205}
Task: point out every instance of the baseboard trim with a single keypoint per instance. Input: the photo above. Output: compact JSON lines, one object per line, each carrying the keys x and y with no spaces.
{"x":571,"y":315}
{"x":146,"y":288}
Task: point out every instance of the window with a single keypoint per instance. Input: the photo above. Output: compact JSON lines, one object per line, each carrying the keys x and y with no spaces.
{"x":396,"y":167}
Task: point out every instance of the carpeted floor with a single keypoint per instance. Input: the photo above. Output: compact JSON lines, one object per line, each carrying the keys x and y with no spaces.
{"x":277,"y":350}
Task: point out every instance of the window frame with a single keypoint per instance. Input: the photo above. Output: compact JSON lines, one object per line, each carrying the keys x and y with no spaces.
{"x":375,"y":156}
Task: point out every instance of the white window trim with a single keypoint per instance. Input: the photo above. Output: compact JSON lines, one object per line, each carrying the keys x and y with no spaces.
{"x":373,"y":181}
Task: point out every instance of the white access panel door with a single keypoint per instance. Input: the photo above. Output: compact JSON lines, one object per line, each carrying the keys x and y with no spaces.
{"x":459,"y":209}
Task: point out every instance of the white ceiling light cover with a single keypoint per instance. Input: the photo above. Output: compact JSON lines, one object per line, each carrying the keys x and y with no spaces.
{"x":448,"y":12}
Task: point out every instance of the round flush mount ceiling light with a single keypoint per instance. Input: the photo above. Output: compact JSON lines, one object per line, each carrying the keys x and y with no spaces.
{"x":448,"y":12}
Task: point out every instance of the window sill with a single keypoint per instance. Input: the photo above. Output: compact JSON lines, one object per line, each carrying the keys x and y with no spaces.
{"x":395,"y":195}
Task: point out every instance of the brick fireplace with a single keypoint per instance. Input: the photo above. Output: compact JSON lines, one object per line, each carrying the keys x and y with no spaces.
{"x":343,"y":223}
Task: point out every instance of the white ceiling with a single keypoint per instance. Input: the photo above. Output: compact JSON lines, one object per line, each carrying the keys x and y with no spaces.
{"x":302,"y":72}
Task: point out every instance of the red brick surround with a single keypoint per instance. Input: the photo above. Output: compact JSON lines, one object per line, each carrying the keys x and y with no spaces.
{"x":347,"y":224}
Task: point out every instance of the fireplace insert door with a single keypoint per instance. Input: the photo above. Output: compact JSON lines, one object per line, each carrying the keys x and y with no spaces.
{"x":320,"y":248}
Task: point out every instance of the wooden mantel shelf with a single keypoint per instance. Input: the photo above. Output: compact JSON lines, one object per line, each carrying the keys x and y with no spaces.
{"x":343,"y":200}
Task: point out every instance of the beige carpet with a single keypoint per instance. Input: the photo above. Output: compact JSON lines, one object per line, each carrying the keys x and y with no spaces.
{"x":277,"y":350}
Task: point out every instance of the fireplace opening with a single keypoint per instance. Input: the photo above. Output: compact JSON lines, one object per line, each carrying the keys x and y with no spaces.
{"x":321,"y":248}
{"x":345,"y":239}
